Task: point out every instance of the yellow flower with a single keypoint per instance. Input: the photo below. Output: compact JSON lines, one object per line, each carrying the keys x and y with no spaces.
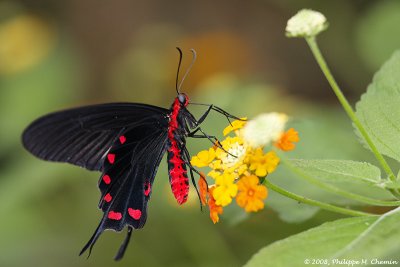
{"x":203,"y":158}
{"x":235,"y":125}
{"x":215,"y":209}
{"x":251,"y":193}
{"x":285,"y":143}
{"x":225,"y":189}
{"x":263,"y":164}
{"x":232,"y":159}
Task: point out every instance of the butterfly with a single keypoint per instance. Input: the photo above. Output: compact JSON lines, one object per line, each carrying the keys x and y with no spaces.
{"x":126,"y":143}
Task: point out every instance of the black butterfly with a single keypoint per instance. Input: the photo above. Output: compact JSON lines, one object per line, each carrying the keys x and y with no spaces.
{"x":126,"y":142}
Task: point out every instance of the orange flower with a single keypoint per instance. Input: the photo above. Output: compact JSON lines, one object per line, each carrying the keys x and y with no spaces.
{"x":203,"y":189}
{"x":286,"y":140}
{"x":251,"y":193}
{"x":215,"y":209}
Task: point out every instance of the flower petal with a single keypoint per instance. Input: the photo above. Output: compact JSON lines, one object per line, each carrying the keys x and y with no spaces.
{"x":203,"y":158}
{"x":203,"y":189}
{"x":235,"y":125}
{"x":215,"y":209}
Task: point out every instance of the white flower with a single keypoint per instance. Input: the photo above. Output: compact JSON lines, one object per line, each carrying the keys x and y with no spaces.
{"x":264,"y":128}
{"x":306,"y":23}
{"x":236,"y":153}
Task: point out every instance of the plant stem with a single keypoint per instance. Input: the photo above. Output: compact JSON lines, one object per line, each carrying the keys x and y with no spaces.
{"x":339,"y":191}
{"x":349,"y":110}
{"x":316,"y":203}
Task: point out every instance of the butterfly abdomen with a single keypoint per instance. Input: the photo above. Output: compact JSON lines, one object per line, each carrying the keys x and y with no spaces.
{"x":177,"y":175}
{"x":176,"y":166}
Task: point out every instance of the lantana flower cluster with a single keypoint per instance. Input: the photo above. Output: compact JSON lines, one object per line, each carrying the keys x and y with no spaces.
{"x":239,"y":163}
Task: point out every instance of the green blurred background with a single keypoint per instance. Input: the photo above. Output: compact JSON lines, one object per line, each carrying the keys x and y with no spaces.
{"x":61,"y":54}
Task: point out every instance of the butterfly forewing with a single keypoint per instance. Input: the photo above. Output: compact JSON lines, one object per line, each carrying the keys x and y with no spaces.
{"x":82,"y":136}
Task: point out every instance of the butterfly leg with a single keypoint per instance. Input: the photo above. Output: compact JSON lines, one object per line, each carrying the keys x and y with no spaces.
{"x":217,"y":109}
{"x":223,"y":112}
{"x":209,"y":137}
{"x":204,"y":116}
{"x":186,"y":159}
{"x":212,"y":138}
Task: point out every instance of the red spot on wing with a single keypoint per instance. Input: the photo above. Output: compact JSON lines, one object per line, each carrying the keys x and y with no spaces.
{"x":147,"y":189}
{"x":114,"y":215}
{"x":122,"y":139}
{"x":135,"y":214}
{"x":106,"y":179}
{"x":107,"y":198}
{"x":111,"y":158}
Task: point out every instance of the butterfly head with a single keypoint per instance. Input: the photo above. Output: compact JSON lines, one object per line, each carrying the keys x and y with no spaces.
{"x":183,"y":99}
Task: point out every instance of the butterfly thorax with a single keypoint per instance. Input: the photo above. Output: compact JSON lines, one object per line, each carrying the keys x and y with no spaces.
{"x":176,"y":166}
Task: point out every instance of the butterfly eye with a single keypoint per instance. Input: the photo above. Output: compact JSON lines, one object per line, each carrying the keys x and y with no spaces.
{"x":182,"y":98}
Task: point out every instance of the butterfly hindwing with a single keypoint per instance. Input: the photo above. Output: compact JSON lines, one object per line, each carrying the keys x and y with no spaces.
{"x":128,"y":174}
{"x":82,"y":136}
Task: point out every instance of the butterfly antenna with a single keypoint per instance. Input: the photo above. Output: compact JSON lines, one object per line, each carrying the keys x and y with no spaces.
{"x":188,"y":69}
{"x":177,"y":72}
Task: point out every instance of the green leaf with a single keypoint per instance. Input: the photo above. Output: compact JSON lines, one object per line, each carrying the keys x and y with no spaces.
{"x":379,"y":240}
{"x":352,"y":238}
{"x":351,"y":182}
{"x":340,"y":182}
{"x":339,"y":171}
{"x":378,"y":109}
